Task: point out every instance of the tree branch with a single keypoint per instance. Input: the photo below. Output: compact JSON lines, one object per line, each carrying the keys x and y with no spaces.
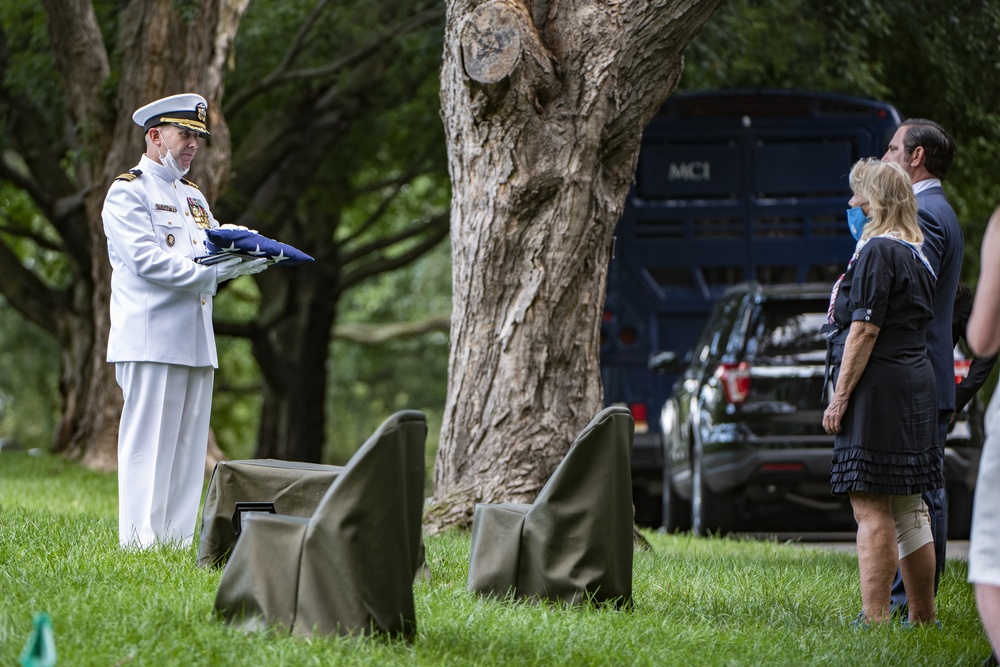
{"x":25,"y":183}
{"x":40,"y":174}
{"x":268,"y":360}
{"x":437,"y":222}
{"x":434,"y":232}
{"x":397,"y":185}
{"x":37,"y":239}
{"x":365,"y":333}
{"x":29,"y":295}
{"x":283,"y":74}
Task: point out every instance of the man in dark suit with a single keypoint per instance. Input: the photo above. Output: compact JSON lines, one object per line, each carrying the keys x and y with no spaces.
{"x":926,"y":151}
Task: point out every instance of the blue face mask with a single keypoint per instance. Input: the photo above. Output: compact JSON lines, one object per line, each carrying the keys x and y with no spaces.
{"x":856,"y":221}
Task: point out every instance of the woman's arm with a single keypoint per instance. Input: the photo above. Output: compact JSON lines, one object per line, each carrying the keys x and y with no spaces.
{"x":858,"y":347}
{"x":983,"y":332}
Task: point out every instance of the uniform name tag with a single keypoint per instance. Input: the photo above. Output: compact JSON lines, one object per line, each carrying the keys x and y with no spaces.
{"x":166,"y":207}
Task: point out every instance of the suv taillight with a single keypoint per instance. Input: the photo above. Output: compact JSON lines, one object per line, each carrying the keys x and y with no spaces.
{"x":735,"y":379}
{"x":639,"y":415}
{"x":961,"y":369}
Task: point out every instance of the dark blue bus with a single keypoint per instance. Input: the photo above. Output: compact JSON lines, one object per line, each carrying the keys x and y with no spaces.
{"x":731,"y":186}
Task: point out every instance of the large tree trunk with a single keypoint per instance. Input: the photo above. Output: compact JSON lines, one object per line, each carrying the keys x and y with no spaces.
{"x":293,"y":353}
{"x":543,"y":116}
{"x":163,"y":52}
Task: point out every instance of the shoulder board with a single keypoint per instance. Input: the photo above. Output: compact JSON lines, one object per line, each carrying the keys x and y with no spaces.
{"x":130,"y":175}
{"x":187,"y":182}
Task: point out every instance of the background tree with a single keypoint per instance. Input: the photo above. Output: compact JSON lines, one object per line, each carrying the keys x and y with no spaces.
{"x":544,"y":105}
{"x":64,"y":142}
{"x":342,"y":157}
{"x":330,"y":156}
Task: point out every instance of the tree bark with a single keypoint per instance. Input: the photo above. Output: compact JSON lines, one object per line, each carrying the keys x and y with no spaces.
{"x":163,"y":52}
{"x":543,"y":116}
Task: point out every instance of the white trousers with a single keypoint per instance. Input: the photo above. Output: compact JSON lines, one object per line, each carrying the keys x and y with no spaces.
{"x":984,"y":545}
{"x":162,"y":443}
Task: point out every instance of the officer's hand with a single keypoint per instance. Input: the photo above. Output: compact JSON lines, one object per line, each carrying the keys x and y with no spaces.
{"x":235,"y":267}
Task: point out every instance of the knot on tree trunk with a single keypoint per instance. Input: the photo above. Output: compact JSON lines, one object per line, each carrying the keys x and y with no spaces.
{"x":491,"y":42}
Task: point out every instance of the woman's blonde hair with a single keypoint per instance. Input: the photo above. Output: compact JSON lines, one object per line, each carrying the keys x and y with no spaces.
{"x":892,"y":206}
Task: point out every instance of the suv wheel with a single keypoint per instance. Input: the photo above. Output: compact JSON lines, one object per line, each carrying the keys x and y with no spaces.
{"x":676,"y":511}
{"x":709,"y":513}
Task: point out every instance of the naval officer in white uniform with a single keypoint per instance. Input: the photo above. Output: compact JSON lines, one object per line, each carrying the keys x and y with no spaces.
{"x":162,"y":341}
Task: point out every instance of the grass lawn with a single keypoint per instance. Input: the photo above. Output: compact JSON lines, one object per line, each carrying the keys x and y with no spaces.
{"x":698,"y":601}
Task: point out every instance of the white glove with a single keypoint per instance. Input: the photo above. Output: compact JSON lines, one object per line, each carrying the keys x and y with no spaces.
{"x":230,"y":225}
{"x":234,"y":267}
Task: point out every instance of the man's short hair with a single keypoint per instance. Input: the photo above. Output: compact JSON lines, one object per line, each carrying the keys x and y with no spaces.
{"x":939,"y":147}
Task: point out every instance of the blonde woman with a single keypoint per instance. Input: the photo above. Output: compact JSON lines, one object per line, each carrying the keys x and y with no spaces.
{"x":883,"y":410}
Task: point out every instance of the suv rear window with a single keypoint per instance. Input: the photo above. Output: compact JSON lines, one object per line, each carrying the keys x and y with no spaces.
{"x":788,"y":332}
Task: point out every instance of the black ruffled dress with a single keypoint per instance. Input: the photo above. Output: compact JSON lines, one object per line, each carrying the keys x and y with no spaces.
{"x":886,"y":442}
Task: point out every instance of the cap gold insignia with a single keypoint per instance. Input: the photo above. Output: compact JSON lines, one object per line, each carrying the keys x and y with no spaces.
{"x":202,"y":111}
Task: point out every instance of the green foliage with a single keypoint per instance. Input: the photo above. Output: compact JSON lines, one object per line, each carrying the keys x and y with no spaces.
{"x":404,"y":373}
{"x":29,"y":374}
{"x":372,"y":143}
{"x":29,"y":356}
{"x":30,"y":70}
{"x":236,"y":401}
{"x":382,"y":111}
{"x":787,"y":44}
{"x":928,"y":59}
{"x":371,"y":381}
{"x":697,"y":601}
{"x":31,"y":238}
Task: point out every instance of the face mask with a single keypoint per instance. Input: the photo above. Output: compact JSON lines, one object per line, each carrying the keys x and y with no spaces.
{"x":856,"y":221}
{"x":171,"y":164}
{"x":176,"y":171}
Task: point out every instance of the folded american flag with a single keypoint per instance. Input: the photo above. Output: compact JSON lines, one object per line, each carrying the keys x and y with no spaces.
{"x":224,"y":242}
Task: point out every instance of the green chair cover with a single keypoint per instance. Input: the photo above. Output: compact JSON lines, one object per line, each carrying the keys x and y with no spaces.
{"x":349,"y":568}
{"x":574,"y":543}
{"x":295,"y":488}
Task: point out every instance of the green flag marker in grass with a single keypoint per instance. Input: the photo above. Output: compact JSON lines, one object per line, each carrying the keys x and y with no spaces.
{"x":40,"y":651}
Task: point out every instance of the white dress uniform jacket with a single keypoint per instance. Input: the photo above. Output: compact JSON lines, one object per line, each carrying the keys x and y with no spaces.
{"x":161,"y":300}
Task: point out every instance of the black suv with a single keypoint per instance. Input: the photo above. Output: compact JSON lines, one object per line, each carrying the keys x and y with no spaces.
{"x":743,"y":441}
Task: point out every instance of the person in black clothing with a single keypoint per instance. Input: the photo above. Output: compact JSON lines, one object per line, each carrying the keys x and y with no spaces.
{"x":926,"y":153}
{"x":883,"y":412}
{"x":980,"y":367}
